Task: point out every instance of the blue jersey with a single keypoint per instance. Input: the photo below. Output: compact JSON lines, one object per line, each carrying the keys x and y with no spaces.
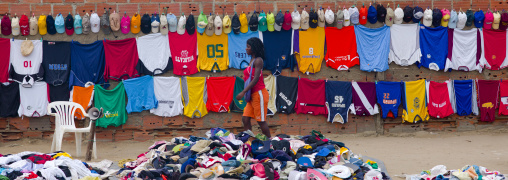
{"x":389,"y":95}
{"x":140,"y":94}
{"x":463,"y":96}
{"x":87,"y":62}
{"x":373,"y":46}
{"x":338,"y":100}
{"x":278,"y":49}
{"x":238,"y":57}
{"x":434,"y":47}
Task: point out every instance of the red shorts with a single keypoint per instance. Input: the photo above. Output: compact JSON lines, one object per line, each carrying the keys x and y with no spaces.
{"x":439,"y":100}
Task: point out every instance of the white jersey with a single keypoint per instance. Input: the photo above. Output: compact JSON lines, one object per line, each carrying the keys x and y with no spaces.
{"x":464,"y":51}
{"x":270,"y":85}
{"x":25,"y":65}
{"x":404,"y":44}
{"x":153,"y":51}
{"x":169,"y":93}
{"x":34,"y":100}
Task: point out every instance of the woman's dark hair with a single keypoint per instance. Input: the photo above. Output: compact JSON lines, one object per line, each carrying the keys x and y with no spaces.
{"x":257,"y":47}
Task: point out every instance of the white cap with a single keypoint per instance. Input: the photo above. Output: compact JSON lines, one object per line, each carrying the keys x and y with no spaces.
{"x":304,"y":20}
{"x":295,"y":23}
{"x":427,"y":17}
{"x":181,"y":25}
{"x":95,"y":22}
{"x":461,"y":23}
{"x":347,"y":20}
{"x":399,"y":15}
{"x":321,"y":18}
{"x":218,"y":25}
{"x":155,"y":26}
{"x":329,"y":16}
{"x":15,"y":26}
{"x":164,"y":25}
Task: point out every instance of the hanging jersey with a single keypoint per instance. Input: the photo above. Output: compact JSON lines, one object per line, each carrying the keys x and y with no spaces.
{"x":503,"y":106}
{"x":113,"y":103}
{"x":238,"y":105}
{"x":220,"y":93}
{"x":33,"y":100}
{"x":312,"y":49}
{"x":270,"y":85}
{"x":434,"y":47}
{"x":438,"y":99}
{"x":121,"y":59}
{"x":83,"y":96}
{"x":214,"y":52}
{"x":341,"y":51}
{"x":56,"y":61}
{"x":488,"y":91}
{"x":287,"y":89}
{"x":184,"y":53}
{"x":238,"y":57}
{"x":59,"y":93}
{"x":278,"y":51}
{"x":9,"y":99}
{"x":338,"y":100}
{"x":311,"y":97}
{"x":404,"y":44}
{"x":194,"y":96}
{"x":493,"y":49}
{"x":464,"y":50}
{"x":25,"y":69}
{"x":169,"y":94}
{"x":415,"y":108}
{"x":364,"y":99}
{"x":154,"y":54}
{"x":5,"y":50}
{"x":90,"y":56}
{"x":465,"y":97}
{"x":140,"y":94}
{"x":373,"y":48}
{"x":389,"y":96}
{"x":295,"y":44}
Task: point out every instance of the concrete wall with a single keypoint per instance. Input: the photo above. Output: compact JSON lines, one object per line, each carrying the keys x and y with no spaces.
{"x":145,"y":126}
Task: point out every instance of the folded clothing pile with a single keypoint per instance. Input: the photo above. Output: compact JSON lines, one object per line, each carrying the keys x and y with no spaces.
{"x":468,"y":172}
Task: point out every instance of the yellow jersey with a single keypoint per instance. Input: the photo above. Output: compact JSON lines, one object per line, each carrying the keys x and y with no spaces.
{"x":415,"y":107}
{"x":193,"y":93}
{"x":312,"y":49}
{"x":213,"y":52}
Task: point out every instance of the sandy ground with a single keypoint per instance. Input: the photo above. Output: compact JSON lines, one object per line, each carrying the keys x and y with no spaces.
{"x":402,"y":153}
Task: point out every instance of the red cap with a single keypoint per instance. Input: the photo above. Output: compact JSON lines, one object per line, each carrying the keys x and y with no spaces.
{"x":24,"y":25}
{"x":286,"y":25}
{"x":363,"y":15}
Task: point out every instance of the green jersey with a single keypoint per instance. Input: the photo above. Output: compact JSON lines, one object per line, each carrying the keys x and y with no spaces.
{"x":113,"y":104}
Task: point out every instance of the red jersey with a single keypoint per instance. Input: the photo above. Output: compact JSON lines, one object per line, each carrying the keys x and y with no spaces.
{"x":311,"y":97}
{"x":341,"y":48}
{"x":5,"y":49}
{"x":220,"y":93}
{"x":184,"y":53}
{"x":439,"y":105}
{"x":121,"y":59}
{"x":259,"y":85}
{"x":503,"y":106}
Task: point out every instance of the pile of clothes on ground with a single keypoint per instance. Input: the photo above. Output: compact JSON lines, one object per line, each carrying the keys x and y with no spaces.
{"x":51,"y":166}
{"x":224,"y":155}
{"x":468,"y":172}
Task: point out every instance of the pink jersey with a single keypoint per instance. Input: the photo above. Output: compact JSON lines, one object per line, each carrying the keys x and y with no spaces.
{"x":259,"y":85}
{"x":503,"y":106}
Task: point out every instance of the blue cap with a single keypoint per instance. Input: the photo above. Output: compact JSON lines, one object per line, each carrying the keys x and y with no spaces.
{"x":323,"y":152}
{"x":78,"y":28}
{"x":305,"y":162}
{"x":478,"y":19}
{"x":60,"y":24}
{"x":372,"y":15}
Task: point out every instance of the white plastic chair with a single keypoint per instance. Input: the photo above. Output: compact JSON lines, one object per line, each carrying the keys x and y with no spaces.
{"x":64,"y":122}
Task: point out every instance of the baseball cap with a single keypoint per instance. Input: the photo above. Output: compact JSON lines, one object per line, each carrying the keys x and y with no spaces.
{"x":6,"y":26}
{"x":390,"y":15}
{"x":399,"y":15}
{"x":155,"y":23}
{"x":417,"y":14}
{"x":69,"y":25}
{"x":446,"y":17}
{"x":461,"y":20}
{"x":504,"y":21}
{"x":50,"y":22}
{"x":372,"y":15}
{"x":59,"y":24}
{"x":218,"y":25}
{"x":172,"y":22}
{"x":427,"y":18}
{"x":321,"y":17}
{"x":329,"y":17}
{"x":304,"y":162}
{"x":470,"y":17}
{"x":114,"y":20}
{"x":354,"y":15}
{"x":189,"y":25}
{"x":270,"y":22}
{"x":286,"y":25}
{"x":489,"y":19}
{"x":347,"y":17}
{"x":181,"y":25}
{"x":125,"y":24}
{"x":78,"y":28}
{"x":452,"y":23}
{"x":43,"y":29}
{"x":105,"y":24}
{"x":262,"y":22}
{"x":497,"y":20}
{"x":235,"y":24}
{"x":295,"y":20}
{"x":24,"y":25}
{"x":313,"y":19}
{"x":381,"y":13}
{"x":244,"y":28}
{"x":135,"y":23}
{"x":340,"y":19}
{"x":304,"y":20}
{"x":254,"y":22}
{"x":408,"y":14}
{"x":33,"y":26}
{"x":85,"y":24}
{"x":209,"y":30}
{"x":226,"y":24}
{"x":202,"y":23}
{"x":363,"y":15}
{"x":279,"y":20}
{"x":145,"y":24}
{"x":436,"y":17}
{"x":164,"y":25}
{"x":15,"y":26}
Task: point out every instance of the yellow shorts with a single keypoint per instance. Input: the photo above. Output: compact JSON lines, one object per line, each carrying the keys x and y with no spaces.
{"x":257,"y":106}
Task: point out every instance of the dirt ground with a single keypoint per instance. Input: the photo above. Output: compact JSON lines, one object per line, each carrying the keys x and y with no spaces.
{"x":402,"y":153}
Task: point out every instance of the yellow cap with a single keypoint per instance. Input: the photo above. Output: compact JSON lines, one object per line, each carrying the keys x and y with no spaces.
{"x":42,"y":25}
{"x":244,"y":28}
{"x":136,"y":24}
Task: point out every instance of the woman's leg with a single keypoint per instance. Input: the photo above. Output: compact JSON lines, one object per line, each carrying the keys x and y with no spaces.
{"x":246,"y":123}
{"x":264,"y":129}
